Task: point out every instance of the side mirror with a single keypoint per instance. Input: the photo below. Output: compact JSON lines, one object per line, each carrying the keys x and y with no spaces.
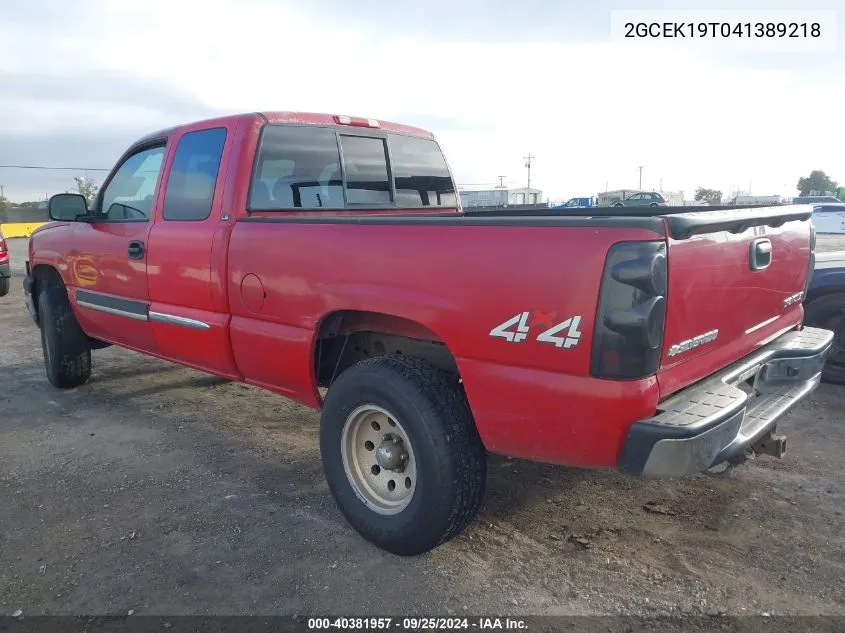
{"x":67,"y":207}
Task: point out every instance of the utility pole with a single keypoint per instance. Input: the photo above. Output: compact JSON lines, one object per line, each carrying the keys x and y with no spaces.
{"x":528,"y":166}
{"x":501,"y":181}
{"x":1,"y":191}
{"x":641,"y":176}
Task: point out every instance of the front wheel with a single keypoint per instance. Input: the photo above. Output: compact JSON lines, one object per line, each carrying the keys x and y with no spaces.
{"x":67,"y":352}
{"x":401,"y":453}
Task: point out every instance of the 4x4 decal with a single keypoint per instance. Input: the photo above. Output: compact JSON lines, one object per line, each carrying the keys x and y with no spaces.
{"x":563,"y":334}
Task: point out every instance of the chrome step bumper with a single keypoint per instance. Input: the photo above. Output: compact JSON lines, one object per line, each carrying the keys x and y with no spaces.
{"x":720,"y":417}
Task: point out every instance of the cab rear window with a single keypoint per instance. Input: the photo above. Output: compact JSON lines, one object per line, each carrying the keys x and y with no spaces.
{"x":312,"y":167}
{"x":420,"y":172}
{"x":297,"y":168}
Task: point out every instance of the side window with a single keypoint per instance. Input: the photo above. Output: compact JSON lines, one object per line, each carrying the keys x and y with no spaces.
{"x":297,"y":168}
{"x":130,"y":193}
{"x":193,"y":175}
{"x":420,"y":172}
{"x":365,"y":161}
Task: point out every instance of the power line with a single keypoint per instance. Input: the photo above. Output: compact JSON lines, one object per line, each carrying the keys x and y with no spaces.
{"x":57,"y":168}
{"x":528,"y":166}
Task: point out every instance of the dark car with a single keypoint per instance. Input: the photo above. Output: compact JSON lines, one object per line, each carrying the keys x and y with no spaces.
{"x":816,"y":200}
{"x":824,"y":306}
{"x":643,"y":199}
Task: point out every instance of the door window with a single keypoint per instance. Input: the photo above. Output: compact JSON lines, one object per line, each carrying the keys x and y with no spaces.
{"x":193,"y":175}
{"x":130,"y":193}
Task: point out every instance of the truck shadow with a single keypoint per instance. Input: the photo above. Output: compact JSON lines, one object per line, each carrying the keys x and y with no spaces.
{"x":124,"y":373}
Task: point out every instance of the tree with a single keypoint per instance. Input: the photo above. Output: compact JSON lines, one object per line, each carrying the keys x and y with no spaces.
{"x":87,"y":188}
{"x":29,"y":204}
{"x":816,"y":181}
{"x":4,"y":202}
{"x":710,"y":196}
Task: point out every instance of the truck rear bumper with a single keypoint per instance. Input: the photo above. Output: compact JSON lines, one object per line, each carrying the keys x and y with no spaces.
{"x":720,"y":417}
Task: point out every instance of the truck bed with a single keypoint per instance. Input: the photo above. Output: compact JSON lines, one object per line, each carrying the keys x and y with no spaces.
{"x":681,"y":223}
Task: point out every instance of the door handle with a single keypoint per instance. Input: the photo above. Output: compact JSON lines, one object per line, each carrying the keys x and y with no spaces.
{"x":136,"y":250}
{"x":761,"y":254}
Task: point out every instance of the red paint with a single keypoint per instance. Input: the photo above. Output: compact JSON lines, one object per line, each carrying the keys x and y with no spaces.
{"x":252,"y":293}
{"x":266,"y":289}
{"x":97,"y":255}
{"x":711,"y":286}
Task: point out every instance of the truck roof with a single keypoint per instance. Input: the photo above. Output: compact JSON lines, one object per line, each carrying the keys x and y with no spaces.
{"x":300,"y":118}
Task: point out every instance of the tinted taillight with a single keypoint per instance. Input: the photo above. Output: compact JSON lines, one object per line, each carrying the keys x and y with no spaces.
{"x":632,"y":311}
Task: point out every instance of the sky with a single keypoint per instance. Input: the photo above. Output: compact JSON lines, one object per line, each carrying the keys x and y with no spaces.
{"x":495,"y":80}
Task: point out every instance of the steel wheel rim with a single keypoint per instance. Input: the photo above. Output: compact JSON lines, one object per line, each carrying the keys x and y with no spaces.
{"x":373,"y":458}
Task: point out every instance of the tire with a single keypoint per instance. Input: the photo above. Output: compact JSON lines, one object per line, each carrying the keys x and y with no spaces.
{"x":5,"y":285}
{"x":828,"y":311}
{"x":67,"y":352}
{"x":446,"y":457}
{"x":654,"y":204}
{"x":618,"y":204}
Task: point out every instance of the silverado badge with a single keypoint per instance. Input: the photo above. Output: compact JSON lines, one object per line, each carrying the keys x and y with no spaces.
{"x":692,"y":343}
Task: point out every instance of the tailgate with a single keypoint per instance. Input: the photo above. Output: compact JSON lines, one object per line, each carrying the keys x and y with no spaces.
{"x":736,"y":281}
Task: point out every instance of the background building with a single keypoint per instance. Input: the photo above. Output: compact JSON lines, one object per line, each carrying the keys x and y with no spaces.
{"x":755,"y":200}
{"x":500,"y":196}
{"x":673,"y":198}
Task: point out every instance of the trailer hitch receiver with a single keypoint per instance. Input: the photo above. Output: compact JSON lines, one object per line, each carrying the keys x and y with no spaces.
{"x":771,"y":444}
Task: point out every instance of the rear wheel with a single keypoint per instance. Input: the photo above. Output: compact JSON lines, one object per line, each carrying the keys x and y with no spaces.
{"x":5,"y":285}
{"x":67,"y":352}
{"x":653,"y":204}
{"x":618,"y":204}
{"x":401,"y":453}
{"x":828,"y":312}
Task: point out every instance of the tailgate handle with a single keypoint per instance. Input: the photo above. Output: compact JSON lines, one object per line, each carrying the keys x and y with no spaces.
{"x":761,"y":254}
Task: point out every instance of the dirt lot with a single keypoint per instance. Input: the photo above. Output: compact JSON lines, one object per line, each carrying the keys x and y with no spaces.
{"x":164,"y":491}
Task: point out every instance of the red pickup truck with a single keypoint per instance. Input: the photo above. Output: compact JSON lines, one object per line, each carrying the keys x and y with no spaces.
{"x":299,"y":252}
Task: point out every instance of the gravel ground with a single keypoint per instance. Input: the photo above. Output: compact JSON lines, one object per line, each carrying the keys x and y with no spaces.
{"x":161,"y":490}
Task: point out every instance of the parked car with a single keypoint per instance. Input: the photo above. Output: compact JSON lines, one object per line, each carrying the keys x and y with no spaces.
{"x":577,"y":203}
{"x":824,"y":307}
{"x":298,"y":252}
{"x":643,"y":199}
{"x":829,"y":218}
{"x":5,"y":267}
{"x":816,"y":200}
